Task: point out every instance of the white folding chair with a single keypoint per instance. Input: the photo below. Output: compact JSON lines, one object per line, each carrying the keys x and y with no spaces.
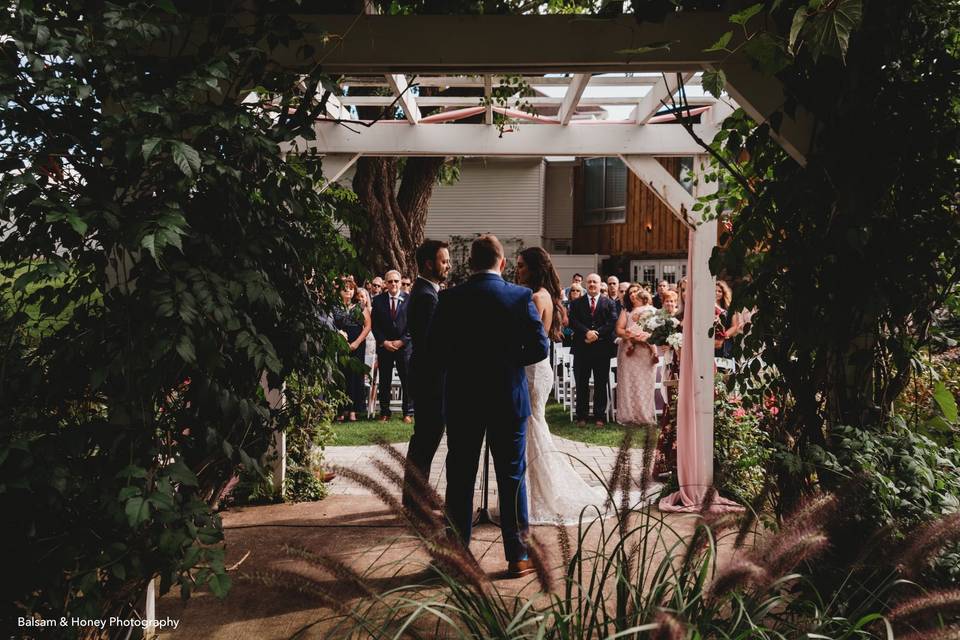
{"x":658,"y":385}
{"x":561,"y":356}
{"x":570,"y":383}
{"x":371,"y":361}
{"x":727,"y":364}
{"x":396,"y":392}
{"x":611,"y":392}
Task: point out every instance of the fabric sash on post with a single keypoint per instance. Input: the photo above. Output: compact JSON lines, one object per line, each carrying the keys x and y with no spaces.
{"x":694,"y":464}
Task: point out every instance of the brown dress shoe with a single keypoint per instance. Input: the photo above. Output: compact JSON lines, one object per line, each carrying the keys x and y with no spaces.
{"x":520,"y":568}
{"x":407,"y":420}
{"x":383,"y":419}
{"x":581,"y":423}
{"x":600,"y":423}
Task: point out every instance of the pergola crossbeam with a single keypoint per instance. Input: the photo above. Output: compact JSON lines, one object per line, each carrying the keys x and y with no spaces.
{"x":393,"y":138}
{"x":400,"y":87}
{"x":571,"y":98}
{"x":335,"y":165}
{"x":652,"y":102}
{"x":535,"y":101}
{"x":474,"y":81}
{"x":662,"y":183}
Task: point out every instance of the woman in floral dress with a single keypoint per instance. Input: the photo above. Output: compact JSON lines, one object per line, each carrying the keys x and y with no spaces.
{"x":636,"y":360}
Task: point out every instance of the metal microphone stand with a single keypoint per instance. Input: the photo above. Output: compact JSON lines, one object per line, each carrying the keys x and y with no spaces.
{"x":483,"y":513}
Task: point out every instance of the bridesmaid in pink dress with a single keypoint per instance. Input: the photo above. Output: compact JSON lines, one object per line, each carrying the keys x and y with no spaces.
{"x":636,"y":361}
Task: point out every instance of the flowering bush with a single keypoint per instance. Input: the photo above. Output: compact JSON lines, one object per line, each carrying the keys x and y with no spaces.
{"x":742,"y":446}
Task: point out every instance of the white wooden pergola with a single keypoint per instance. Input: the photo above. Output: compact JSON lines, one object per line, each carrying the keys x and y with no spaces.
{"x":569,"y":52}
{"x":573,"y":52}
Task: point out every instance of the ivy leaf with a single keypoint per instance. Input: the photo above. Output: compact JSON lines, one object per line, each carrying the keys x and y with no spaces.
{"x":166,"y":5}
{"x":219,"y":584}
{"x":721,"y":44}
{"x":43,"y":35}
{"x":180,"y":472}
{"x":137,"y":511}
{"x":832,"y":28}
{"x":77,"y":223}
{"x":149,"y":242}
{"x":714,"y":82}
{"x":945,"y":400}
{"x":149,"y":146}
{"x":741,"y":17}
{"x":799,"y":19}
{"x":186,"y":157}
{"x":185,"y":349}
{"x":767,"y":53}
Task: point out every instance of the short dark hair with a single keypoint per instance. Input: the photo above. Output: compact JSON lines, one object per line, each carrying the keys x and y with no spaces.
{"x":428,"y":251}
{"x":485,"y":252}
{"x":577,"y":275}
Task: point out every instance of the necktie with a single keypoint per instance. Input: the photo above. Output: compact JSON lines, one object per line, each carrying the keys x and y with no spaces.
{"x":593,"y":305}
{"x":393,"y":308}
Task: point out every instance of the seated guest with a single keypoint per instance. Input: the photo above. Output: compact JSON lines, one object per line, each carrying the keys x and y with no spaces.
{"x":662,"y":287}
{"x":613,"y":290}
{"x":722,"y":342}
{"x":575,"y":292}
{"x":353,"y":321}
{"x":374,"y":287}
{"x":670,"y":302}
{"x":681,"y":297}
{"x":393,"y":343}
{"x":577,"y":280}
{"x":593,"y":321}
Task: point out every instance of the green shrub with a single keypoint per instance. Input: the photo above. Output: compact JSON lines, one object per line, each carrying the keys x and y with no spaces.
{"x":742,"y":447}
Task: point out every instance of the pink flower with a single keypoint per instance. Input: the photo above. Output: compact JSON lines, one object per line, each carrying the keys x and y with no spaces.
{"x":739,"y":413}
{"x":774,"y":410}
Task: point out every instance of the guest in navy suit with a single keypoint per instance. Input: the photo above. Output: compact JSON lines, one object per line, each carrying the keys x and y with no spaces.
{"x":389,"y":314}
{"x":484,"y":333}
{"x":593,"y":319}
{"x":433,"y":263}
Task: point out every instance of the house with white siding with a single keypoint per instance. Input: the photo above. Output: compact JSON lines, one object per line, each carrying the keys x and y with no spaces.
{"x":555,"y":203}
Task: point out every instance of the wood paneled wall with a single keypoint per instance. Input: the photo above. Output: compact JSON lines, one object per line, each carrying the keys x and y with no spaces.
{"x":650,"y":229}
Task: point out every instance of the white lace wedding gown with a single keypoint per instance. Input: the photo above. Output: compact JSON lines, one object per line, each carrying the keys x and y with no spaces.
{"x":555,"y":491}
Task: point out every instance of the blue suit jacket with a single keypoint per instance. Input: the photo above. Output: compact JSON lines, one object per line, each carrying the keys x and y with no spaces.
{"x":484,"y":333}
{"x":385,"y":327}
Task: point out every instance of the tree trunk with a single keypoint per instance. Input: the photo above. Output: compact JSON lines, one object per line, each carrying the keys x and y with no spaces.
{"x":395,"y":216}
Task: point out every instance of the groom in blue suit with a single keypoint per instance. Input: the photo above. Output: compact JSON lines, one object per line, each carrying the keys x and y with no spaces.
{"x":484,"y":333}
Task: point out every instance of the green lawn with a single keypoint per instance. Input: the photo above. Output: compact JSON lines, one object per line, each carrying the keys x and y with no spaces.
{"x":371,"y":432}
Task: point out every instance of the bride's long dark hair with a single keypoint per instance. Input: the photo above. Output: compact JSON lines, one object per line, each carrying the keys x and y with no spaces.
{"x":541,"y":274}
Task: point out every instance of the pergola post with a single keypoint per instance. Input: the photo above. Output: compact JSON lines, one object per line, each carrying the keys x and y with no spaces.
{"x":703,"y":285}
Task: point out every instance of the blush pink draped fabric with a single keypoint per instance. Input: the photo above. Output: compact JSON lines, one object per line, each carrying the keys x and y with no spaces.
{"x":694,"y":465}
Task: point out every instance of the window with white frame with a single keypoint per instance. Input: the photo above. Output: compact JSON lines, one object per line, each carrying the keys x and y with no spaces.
{"x":604,"y":190}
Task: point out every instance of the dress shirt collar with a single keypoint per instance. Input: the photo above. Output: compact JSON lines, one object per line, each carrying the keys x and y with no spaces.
{"x":435,"y":285}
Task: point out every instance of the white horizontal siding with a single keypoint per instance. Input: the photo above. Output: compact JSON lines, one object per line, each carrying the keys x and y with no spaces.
{"x":558,"y":202}
{"x":499,"y":196}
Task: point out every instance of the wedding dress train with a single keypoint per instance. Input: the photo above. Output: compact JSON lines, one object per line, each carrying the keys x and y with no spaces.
{"x":556,"y":493}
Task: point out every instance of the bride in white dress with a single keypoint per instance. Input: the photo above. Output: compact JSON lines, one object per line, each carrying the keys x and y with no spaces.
{"x":555,"y":490}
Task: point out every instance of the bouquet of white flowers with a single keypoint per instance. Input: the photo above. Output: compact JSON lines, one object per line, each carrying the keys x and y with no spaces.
{"x":661,"y":325}
{"x":675,"y":340}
